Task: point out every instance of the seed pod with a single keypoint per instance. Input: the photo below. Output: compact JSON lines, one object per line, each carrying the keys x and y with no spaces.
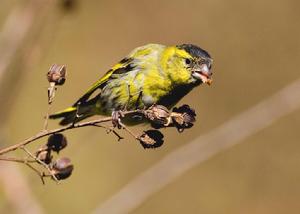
{"x":183,"y":117}
{"x":151,"y":139}
{"x":57,"y":142}
{"x":62,"y":168}
{"x":44,"y":154}
{"x":57,"y":74}
{"x":158,"y":115}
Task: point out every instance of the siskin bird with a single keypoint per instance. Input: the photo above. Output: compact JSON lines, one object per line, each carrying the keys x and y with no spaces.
{"x":150,"y":74}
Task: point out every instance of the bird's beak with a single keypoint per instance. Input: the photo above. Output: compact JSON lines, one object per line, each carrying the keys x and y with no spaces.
{"x":203,"y":73}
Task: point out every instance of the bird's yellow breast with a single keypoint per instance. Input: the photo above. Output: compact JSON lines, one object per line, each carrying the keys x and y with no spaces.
{"x":157,"y":71}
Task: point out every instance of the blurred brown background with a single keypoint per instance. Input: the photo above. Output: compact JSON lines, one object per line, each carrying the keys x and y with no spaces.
{"x":255,"y":46}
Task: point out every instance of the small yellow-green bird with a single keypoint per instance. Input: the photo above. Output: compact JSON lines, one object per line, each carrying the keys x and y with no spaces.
{"x":150,"y":74}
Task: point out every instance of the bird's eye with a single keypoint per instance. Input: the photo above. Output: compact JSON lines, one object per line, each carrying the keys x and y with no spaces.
{"x":187,"y":61}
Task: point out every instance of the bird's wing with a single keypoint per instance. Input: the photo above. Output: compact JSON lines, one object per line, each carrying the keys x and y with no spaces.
{"x":125,"y":65}
{"x":134,"y":61}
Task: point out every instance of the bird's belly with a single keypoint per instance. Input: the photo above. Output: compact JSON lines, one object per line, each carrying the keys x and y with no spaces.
{"x":125,"y":95}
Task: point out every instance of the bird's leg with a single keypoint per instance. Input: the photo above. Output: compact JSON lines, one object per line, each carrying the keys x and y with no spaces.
{"x":138,"y":99}
{"x":116,"y":118}
{"x":138,"y":117}
{"x":129,"y":97}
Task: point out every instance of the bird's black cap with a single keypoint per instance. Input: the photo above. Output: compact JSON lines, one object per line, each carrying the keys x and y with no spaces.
{"x":194,"y":50}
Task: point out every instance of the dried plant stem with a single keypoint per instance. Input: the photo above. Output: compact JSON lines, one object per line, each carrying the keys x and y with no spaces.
{"x":45,"y":133}
{"x":40,"y":174}
{"x":149,"y":139}
{"x":129,"y":131}
{"x":40,"y":162}
{"x":110,"y":130}
{"x":51,"y":95}
{"x":26,"y":162}
{"x":18,"y":160}
{"x":47,"y":117}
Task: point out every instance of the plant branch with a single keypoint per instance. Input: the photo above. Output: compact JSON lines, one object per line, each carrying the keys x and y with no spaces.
{"x":45,"y":133}
{"x":18,"y":160}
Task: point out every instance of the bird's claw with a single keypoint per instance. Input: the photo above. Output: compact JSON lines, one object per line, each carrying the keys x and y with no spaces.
{"x":116,"y":119}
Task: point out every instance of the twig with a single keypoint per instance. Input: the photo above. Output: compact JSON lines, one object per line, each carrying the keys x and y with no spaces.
{"x":110,"y":130}
{"x":41,"y":162}
{"x":117,"y":134}
{"x":129,"y":131}
{"x":18,"y":160}
{"x":40,"y":174}
{"x":47,"y":117}
{"x":50,"y":132}
{"x":26,"y":162}
{"x":44,"y":133}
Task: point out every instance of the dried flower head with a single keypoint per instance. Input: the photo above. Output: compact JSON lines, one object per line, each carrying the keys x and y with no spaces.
{"x":57,"y":74}
{"x":151,"y":139}
{"x":57,"y":142}
{"x":158,"y":115}
{"x":183,"y":117}
{"x":44,"y":154}
{"x":62,"y":168}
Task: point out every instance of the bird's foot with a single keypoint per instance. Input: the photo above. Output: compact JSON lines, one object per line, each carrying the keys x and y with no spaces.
{"x":116,"y":118}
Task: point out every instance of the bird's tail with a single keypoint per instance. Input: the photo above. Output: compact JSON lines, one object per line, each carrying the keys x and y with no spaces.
{"x":71,"y":114}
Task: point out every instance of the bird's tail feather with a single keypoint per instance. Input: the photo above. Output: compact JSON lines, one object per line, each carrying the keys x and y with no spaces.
{"x":69,"y":115}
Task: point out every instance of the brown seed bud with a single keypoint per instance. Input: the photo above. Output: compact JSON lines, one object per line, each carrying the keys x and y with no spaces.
{"x":44,"y":155}
{"x":57,"y":74}
{"x":57,"y":142}
{"x":62,"y":168}
{"x":158,"y":114}
{"x":183,"y":117}
{"x":151,"y":139}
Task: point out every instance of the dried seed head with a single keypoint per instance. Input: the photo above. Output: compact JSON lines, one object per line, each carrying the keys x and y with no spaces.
{"x":183,"y":117}
{"x":151,"y":139}
{"x":57,"y":142}
{"x":57,"y":74}
{"x":158,"y":114}
{"x":62,"y":168}
{"x":44,"y":154}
